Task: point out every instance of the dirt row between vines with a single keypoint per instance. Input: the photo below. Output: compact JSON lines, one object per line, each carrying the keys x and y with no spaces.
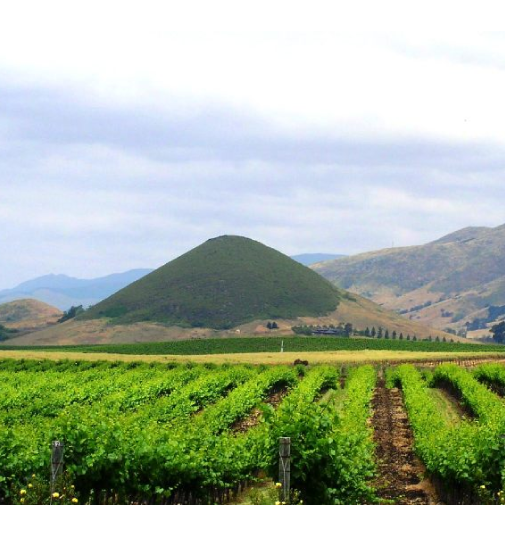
{"x":401,"y":477}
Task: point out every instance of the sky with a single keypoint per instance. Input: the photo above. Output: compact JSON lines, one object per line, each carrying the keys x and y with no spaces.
{"x":125,"y":145}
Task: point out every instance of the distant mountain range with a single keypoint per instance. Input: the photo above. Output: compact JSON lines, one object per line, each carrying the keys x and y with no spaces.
{"x":312,"y":258}
{"x":62,"y":291}
{"x":454,"y":283}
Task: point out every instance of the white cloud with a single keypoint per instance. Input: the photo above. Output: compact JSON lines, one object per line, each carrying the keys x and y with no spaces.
{"x":125,"y":152}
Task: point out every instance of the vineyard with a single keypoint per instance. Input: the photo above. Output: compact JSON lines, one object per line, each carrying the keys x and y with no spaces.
{"x":200,"y":434}
{"x":270,"y":344}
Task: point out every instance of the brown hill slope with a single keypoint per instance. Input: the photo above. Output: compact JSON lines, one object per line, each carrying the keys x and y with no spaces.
{"x":28,"y":315}
{"x":355,"y":309}
{"x":444,"y":284}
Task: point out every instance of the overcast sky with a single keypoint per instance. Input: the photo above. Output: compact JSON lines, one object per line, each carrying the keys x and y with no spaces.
{"x":122,"y":150}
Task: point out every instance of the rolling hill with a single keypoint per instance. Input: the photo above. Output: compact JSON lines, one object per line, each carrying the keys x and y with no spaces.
{"x":229,"y":286}
{"x":450,"y":283}
{"x":225,"y":282}
{"x":63,"y":291}
{"x":28,"y":315}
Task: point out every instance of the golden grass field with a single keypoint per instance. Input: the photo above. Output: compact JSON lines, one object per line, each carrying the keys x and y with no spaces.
{"x":272,"y":358}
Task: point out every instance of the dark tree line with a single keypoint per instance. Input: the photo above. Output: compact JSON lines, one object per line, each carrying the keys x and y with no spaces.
{"x":498,"y":332}
{"x":71,"y":313}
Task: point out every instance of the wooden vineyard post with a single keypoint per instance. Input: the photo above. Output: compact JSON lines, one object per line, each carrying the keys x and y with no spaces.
{"x":285,"y":467}
{"x":57,"y":452}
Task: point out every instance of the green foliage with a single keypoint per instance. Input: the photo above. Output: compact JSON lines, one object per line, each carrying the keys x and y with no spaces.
{"x":491,"y":373}
{"x":6,"y":333}
{"x":38,"y":490}
{"x":71,"y":313}
{"x":224,"y":282}
{"x":468,"y":455}
{"x":267,"y":344}
{"x":156,"y":434}
{"x":498,"y":332}
{"x":302,"y":330}
{"x":332,"y":452}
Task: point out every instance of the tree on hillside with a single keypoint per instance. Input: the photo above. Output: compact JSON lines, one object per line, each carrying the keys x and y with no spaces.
{"x":393,"y":335}
{"x":414,"y":338}
{"x":5,"y":333}
{"x":348,"y":329}
{"x":401,"y":336}
{"x":386,"y":334}
{"x":373,"y":333}
{"x":71,"y":313}
{"x":379,"y":333}
{"x":367,"y":332}
{"x":498,"y":332}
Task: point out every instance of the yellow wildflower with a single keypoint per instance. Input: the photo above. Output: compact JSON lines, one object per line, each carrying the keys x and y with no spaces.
{"x":22,"y":501}
{"x":483,"y":487}
{"x":74,"y":500}
{"x":22,"y":492}
{"x":278,"y":485}
{"x":56,"y":495}
{"x":277,"y":503}
{"x":30,"y":486}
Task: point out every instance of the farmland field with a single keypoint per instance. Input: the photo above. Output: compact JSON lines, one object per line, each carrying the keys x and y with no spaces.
{"x":242,"y":345}
{"x":169,"y":433}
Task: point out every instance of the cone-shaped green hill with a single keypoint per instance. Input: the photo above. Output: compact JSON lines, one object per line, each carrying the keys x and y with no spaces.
{"x":225,"y":282}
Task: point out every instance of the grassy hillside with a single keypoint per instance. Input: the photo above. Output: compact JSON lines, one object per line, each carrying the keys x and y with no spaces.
{"x":443,"y":284}
{"x":222,"y":283}
{"x":228,"y":287}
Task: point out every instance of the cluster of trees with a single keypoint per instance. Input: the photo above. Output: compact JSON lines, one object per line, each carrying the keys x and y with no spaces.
{"x":498,"y":332}
{"x":415,"y":308}
{"x":494,"y":312}
{"x":71,"y":313}
{"x":6,"y":333}
{"x":381,"y":333}
{"x":272,"y":325}
{"x":342,"y":330}
{"x":347,"y":330}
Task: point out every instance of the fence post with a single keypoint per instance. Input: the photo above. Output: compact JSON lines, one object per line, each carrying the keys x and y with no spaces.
{"x":285,"y":467}
{"x":57,"y":451}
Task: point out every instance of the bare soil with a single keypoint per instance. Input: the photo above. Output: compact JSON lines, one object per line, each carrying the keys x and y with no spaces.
{"x":401,"y":477}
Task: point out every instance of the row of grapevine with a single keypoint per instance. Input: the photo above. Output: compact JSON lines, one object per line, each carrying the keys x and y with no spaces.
{"x":271,"y":344}
{"x":160,"y":433}
{"x":466,"y":456}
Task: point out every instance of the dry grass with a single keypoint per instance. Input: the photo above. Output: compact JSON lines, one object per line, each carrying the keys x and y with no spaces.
{"x":271,"y":358}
